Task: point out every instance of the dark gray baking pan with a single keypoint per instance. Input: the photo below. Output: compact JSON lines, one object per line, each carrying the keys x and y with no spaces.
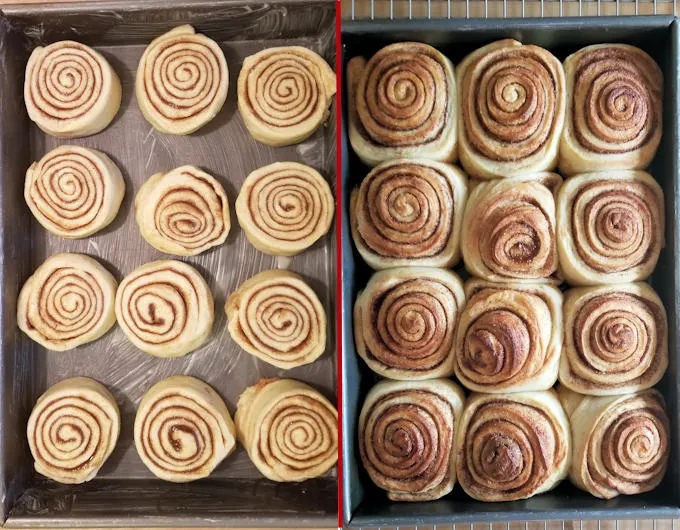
{"x":125,"y":493}
{"x":364,"y":504}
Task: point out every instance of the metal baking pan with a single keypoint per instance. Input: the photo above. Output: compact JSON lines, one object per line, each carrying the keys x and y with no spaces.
{"x":125,"y":493}
{"x":366,"y":505}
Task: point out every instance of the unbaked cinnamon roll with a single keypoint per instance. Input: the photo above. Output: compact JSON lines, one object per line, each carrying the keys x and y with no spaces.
{"x":509,"y":337}
{"x":285,"y":94}
{"x":165,"y":308}
{"x":512,"y":101}
{"x":512,"y":446}
{"x":407,"y":431}
{"x":615,"y":339}
{"x":405,"y":322}
{"x":278,"y":318}
{"x":402,"y":104}
{"x":183,"y":429}
{"x":67,"y":302}
{"x":183,"y":212}
{"x":182,"y":81}
{"x":409,"y":213}
{"x":614,"y":118}
{"x":70,"y":90}
{"x":289,"y":429}
{"x":610,"y":227}
{"x":73,"y":429}
{"x":621,"y":443}
{"x":74,"y":191}
{"x":284,"y":208}
{"x":509,"y":231}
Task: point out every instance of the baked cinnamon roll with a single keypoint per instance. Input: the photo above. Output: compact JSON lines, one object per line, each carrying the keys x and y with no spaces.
{"x":182,"y":81}
{"x":183,"y":429}
{"x":285,"y":94}
{"x":512,"y":101}
{"x":183,"y":212}
{"x":278,"y":318}
{"x":615,"y":108}
{"x":67,"y":302}
{"x":610,"y":227}
{"x":402,"y":104}
{"x":289,"y":429}
{"x":407,"y":431}
{"x":70,"y":90}
{"x":73,"y":429}
{"x":284,"y":208}
{"x":615,"y":339}
{"x":509,"y":231}
{"x":405,"y":322}
{"x":621,"y":443}
{"x":512,"y":446}
{"x":509,"y":337}
{"x":409,"y":213}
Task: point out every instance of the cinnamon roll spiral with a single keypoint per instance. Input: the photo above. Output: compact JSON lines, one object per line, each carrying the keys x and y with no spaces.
{"x":182,"y":81}
{"x":284,"y":208}
{"x":509,"y":337}
{"x":67,"y":302}
{"x":621,"y":443}
{"x":278,"y":318}
{"x":165,"y":308}
{"x":407,"y":431}
{"x":402,"y":104}
{"x":74,"y":191}
{"x":70,"y":90}
{"x":512,"y":101}
{"x":183,"y":429}
{"x":73,"y":429}
{"x":615,"y":340}
{"x":611,"y":227}
{"x":509,"y":231}
{"x":409,"y":212}
{"x":285,"y":94}
{"x":183,"y":212}
{"x":405,"y":322}
{"x":615,"y":95}
{"x":512,"y":446}
{"x":289,"y":429}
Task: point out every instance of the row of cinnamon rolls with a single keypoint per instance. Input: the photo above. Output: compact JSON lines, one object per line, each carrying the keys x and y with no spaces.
{"x":507,"y":109}
{"x":183,"y":429}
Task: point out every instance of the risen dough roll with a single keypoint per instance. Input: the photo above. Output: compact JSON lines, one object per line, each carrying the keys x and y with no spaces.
{"x":284,"y":208}
{"x":402,"y":104}
{"x":615,"y":98}
{"x":610,"y":227}
{"x":165,"y":308}
{"x":183,"y":212}
{"x":407,"y":431}
{"x":512,"y":446}
{"x":182,"y":81}
{"x":70,"y":90}
{"x":73,"y":429}
{"x":74,"y":191}
{"x":509,"y":231}
{"x":284,"y":94}
{"x":621,"y":443}
{"x":509,"y":337}
{"x":289,"y":429}
{"x":512,"y":104}
{"x":409,"y":212}
{"x":277,"y":317}
{"x":183,"y":429}
{"x":68,"y":301}
{"x":615,"y":339}
{"x":405,"y":322}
